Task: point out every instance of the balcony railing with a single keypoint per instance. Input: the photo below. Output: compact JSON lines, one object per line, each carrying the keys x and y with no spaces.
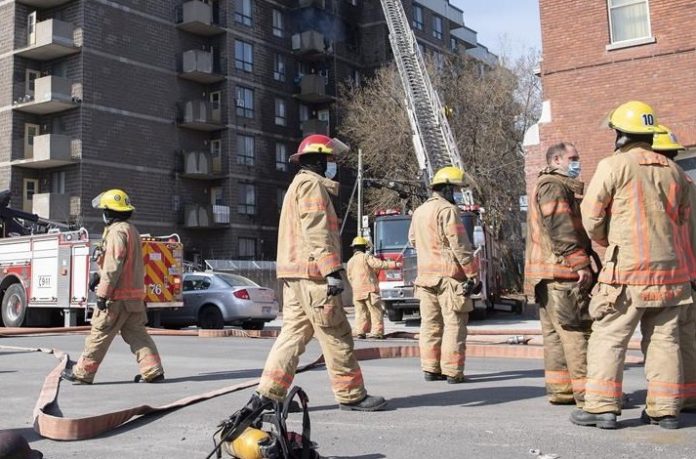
{"x":197,"y":17}
{"x":43,"y":3}
{"x":309,"y":44}
{"x":313,"y":90}
{"x":201,"y":165}
{"x":315,"y":126}
{"x":51,"y":95}
{"x":200,"y":115}
{"x":51,"y":39}
{"x":200,"y":66}
{"x":201,"y":216}
{"x":49,"y":150}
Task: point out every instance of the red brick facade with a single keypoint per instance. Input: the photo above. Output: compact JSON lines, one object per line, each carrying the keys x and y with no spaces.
{"x":583,"y":79}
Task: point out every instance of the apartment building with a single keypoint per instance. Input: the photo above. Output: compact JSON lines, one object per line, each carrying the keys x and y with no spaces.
{"x":193,"y":107}
{"x":597,"y":55}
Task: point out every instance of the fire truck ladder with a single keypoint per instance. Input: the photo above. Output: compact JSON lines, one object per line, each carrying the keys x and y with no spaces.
{"x":432,"y":138}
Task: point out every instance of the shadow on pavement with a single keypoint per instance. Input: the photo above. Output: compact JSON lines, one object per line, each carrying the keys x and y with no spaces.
{"x":362,"y":456}
{"x":503,"y":375}
{"x":214,"y":376}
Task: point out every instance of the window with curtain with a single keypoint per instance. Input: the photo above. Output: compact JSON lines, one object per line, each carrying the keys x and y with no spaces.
{"x":277,"y":23}
{"x":242,"y":12}
{"x":243,"y":56}
{"x":247,"y":248}
{"x":245,"y":102}
{"x":281,"y":151}
{"x":245,"y":150}
{"x":437,"y":27}
{"x":279,"y":67}
{"x":281,"y":112}
{"x":629,"y":20}
{"x":247,"y":199}
{"x":418,"y":23}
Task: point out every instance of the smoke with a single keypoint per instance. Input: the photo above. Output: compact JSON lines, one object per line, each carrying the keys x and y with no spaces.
{"x":329,"y":25}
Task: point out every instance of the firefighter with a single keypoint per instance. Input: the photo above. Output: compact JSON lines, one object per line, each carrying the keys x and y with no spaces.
{"x":668,"y":145}
{"x":445,"y":264}
{"x":558,"y":274}
{"x":120,"y":293}
{"x":634,"y":206}
{"x":309,"y":264}
{"x":362,"y":270}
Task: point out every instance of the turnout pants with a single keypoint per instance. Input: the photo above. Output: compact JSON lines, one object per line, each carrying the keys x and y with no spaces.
{"x":369,"y":315}
{"x":687,"y":342}
{"x":444,"y":314}
{"x":565,"y":344}
{"x":616,"y":318}
{"x":105,"y":326}
{"x":308,"y":312}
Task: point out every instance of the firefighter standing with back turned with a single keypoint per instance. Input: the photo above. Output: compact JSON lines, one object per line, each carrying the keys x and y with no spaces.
{"x":445,"y":264}
{"x":369,"y":310}
{"x":120,"y":293}
{"x":634,"y":206}
{"x":309,"y":263}
{"x":557,"y":273}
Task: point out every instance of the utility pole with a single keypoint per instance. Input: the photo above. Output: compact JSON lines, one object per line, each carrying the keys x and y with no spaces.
{"x":360,"y":194}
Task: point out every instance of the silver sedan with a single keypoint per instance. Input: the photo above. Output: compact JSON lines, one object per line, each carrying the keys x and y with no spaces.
{"x":212,"y":300}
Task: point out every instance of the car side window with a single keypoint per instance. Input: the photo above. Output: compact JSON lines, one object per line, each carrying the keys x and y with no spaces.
{"x":188,"y":285}
{"x":205,"y":284}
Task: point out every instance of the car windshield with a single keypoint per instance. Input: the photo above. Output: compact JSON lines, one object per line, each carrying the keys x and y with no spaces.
{"x":236,"y":281}
{"x":391,"y":234}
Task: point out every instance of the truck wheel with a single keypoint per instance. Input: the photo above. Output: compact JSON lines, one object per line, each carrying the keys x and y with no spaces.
{"x":14,"y":306}
{"x":395,"y":315}
{"x":210,"y":318}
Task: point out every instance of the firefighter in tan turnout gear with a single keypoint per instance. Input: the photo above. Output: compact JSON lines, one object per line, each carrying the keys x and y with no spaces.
{"x":362,"y":275}
{"x":309,"y":263}
{"x":634,"y":206}
{"x":446,"y":270}
{"x":120,"y":294}
{"x":558,"y":275}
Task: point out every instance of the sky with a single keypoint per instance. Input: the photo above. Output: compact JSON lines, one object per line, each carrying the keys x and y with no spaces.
{"x":505,"y":26}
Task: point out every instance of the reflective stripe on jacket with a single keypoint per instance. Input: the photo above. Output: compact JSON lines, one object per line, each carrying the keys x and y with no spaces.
{"x":444,"y":249}
{"x":121,"y":267}
{"x":634,"y":206}
{"x":557,"y":245}
{"x":309,"y":246}
{"x":362,"y":272}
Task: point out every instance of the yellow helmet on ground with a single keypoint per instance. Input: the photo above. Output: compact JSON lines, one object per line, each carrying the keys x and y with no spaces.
{"x":667,"y":141}
{"x":114,"y":199}
{"x":359,"y":241}
{"x":449,"y":175}
{"x":634,"y":117}
{"x":247,"y":445}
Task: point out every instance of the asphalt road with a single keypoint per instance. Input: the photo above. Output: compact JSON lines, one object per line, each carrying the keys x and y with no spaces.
{"x":501,"y":413}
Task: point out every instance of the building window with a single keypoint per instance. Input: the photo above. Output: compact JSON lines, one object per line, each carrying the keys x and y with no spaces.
{"x":280,"y":197}
{"x":277,"y":23}
{"x":453,"y":45}
{"x":281,"y":112}
{"x":245,"y":102}
{"x":418,"y":23}
{"x":279,"y":67}
{"x":243,"y":56}
{"x":58,"y":182}
{"x":247,"y":248}
{"x":242,"y":12}
{"x":437,"y":27}
{"x":245,"y":150}
{"x":629,"y":20}
{"x":247,"y":199}
{"x":303,"y":113}
{"x":281,"y":157}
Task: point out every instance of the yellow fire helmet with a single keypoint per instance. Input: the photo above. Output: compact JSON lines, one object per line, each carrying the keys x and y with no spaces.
{"x":246,"y":446}
{"x":667,"y":141}
{"x":114,"y":199}
{"x":634,"y":117}
{"x":449,"y":175}
{"x":359,"y":241}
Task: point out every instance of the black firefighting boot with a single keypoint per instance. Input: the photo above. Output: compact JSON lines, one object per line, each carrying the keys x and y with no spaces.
{"x":369,"y":403}
{"x":68,"y":375}
{"x":666,"y":422}
{"x":601,"y":420}
{"x":154,"y":380}
{"x":428,"y":376}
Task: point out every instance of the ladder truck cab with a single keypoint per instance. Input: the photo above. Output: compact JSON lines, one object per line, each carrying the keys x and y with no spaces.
{"x":45,"y":270}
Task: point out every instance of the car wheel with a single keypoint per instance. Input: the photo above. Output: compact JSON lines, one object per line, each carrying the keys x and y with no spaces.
{"x":14,"y":306}
{"x":254,"y":325}
{"x":395,"y":315}
{"x":210,"y":318}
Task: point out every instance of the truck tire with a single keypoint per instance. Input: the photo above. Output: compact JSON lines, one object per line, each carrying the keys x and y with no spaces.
{"x":395,"y":315}
{"x":210,"y":318}
{"x":14,"y":306}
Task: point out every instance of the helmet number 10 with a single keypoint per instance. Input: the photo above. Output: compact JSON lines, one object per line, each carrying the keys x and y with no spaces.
{"x":648,"y":119}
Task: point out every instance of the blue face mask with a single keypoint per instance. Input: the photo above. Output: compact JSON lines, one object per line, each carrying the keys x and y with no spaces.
{"x":574,"y":169}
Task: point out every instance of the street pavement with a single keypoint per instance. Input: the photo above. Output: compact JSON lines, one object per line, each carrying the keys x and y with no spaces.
{"x":502,"y":413}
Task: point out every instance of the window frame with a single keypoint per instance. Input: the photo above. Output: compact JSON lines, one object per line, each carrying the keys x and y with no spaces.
{"x":246,"y":155}
{"x":281,"y":157}
{"x":418,"y":24}
{"x":613,"y":44}
{"x":280,"y":66}
{"x":438,"y":34}
{"x":241,"y":62}
{"x":241,"y":16}
{"x":244,"y":110}
{"x":244,"y":241}
{"x":244,"y":206}
{"x":281,"y":112}
{"x":278,"y":27}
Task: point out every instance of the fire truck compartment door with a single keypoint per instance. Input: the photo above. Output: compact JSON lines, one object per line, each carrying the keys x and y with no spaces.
{"x":80,"y":274}
{"x":44,"y":271}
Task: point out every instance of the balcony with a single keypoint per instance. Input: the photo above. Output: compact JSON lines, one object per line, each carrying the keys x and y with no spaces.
{"x":199,"y":217}
{"x":199,"y":66}
{"x":315,"y":126}
{"x":197,"y":17}
{"x":200,"y":115}
{"x":43,"y":3}
{"x":313,"y":90}
{"x":309,"y":45}
{"x":51,"y":95}
{"x":52,"y":206}
{"x":50,"y":150}
{"x":200,"y":165}
{"x":51,"y":40}
{"x":321,"y":4}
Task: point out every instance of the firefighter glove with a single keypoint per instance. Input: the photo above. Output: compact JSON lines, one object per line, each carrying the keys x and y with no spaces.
{"x":94,"y":281}
{"x":471,"y":286}
{"x":101,"y":303}
{"x":335,"y":283}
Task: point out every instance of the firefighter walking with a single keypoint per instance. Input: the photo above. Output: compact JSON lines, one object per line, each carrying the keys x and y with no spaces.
{"x":120,"y":293}
{"x":309,"y":263}
{"x":362,"y":272}
{"x":558,"y":275}
{"x":634,"y":206}
{"x":445,"y":264}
